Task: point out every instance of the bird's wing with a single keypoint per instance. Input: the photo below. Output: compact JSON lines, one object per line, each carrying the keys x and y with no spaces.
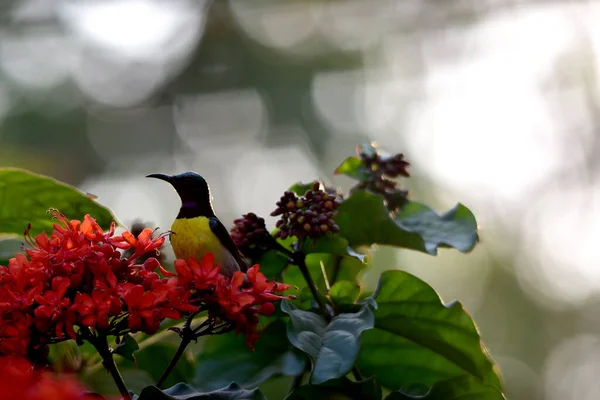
{"x":223,"y":234}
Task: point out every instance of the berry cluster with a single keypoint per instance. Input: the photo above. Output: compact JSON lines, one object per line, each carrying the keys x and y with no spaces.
{"x":381,"y":170}
{"x":250,"y":235}
{"x":391,"y":166}
{"x":310,"y":215}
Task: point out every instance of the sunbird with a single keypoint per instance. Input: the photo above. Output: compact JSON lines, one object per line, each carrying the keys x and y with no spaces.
{"x":197,"y":231}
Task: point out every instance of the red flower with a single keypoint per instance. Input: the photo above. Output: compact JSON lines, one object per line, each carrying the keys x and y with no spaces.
{"x":54,"y":311}
{"x":19,"y":380}
{"x":143,"y":244}
{"x":141,"y":306}
{"x":201,"y":275}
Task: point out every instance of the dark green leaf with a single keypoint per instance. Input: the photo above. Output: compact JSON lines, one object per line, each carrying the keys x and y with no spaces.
{"x":226,"y":358}
{"x":155,"y":358}
{"x":461,"y":388}
{"x":181,"y":391}
{"x":418,"y":341}
{"x":364,"y":220}
{"x":26,"y":197}
{"x":337,"y":268}
{"x":354,"y":168}
{"x":332,"y":346}
{"x":272,"y":263}
{"x":332,"y":244}
{"x":340,"y":389}
{"x":344,"y":292}
{"x":126,"y":347}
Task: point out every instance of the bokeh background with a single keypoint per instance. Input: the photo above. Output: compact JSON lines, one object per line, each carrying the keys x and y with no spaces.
{"x":495,"y":103}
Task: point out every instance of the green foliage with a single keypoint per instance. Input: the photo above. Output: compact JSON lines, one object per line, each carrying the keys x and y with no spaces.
{"x":463,"y":387}
{"x":354,"y":168}
{"x":126,"y":347}
{"x":181,"y":391}
{"x":342,"y":389}
{"x":226,"y":358}
{"x":26,"y":197}
{"x":364,"y":220}
{"x":418,"y":341}
{"x":332,"y":346}
{"x":344,"y":292}
{"x":154,"y":359}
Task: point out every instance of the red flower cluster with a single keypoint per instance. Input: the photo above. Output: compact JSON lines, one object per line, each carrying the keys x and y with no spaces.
{"x":77,"y":277}
{"x":19,"y":380}
{"x":235,"y":300}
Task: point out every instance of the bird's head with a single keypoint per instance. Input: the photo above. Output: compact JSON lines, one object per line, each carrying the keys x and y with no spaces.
{"x":191,"y":187}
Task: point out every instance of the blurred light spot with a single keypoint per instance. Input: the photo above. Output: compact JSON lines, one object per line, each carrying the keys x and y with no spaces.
{"x":137,"y":29}
{"x":559,"y":264}
{"x":39,"y":59}
{"x":260,"y":176}
{"x":132,"y":133}
{"x":486,"y":127}
{"x":572,"y":369}
{"x":31,"y":10}
{"x":201,"y":120}
{"x":276,"y":25}
{"x":356,"y":24}
{"x":338,"y":101}
{"x":129,"y":198}
{"x":519,"y":377}
{"x":115,"y":83}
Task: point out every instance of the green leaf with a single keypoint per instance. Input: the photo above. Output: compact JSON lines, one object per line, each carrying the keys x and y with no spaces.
{"x":461,"y":388}
{"x":226,"y":358}
{"x":344,"y":292}
{"x":341,"y":389}
{"x":26,"y":197}
{"x":332,"y":346}
{"x":418,"y":341}
{"x":354,"y":168}
{"x":332,"y":244}
{"x":126,"y":347}
{"x":181,"y":391}
{"x":300,"y":188}
{"x":364,"y":220}
{"x":272,"y":263}
{"x":155,"y":358}
{"x":65,"y":356}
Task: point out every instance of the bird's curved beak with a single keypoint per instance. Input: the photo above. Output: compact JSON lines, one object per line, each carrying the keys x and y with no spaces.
{"x":162,"y":177}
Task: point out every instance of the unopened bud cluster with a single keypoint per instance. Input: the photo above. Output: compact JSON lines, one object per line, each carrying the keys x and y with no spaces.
{"x":383,"y":169}
{"x":249,"y":233}
{"x":310,"y":215}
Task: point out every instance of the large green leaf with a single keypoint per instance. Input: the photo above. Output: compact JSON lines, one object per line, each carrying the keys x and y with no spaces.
{"x":226,"y":358}
{"x":181,"y":391}
{"x":332,"y":346}
{"x":364,"y":220}
{"x":26,"y":197}
{"x":155,"y":358}
{"x":339,"y":389}
{"x":418,"y":341}
{"x":344,"y":292}
{"x":461,"y":388}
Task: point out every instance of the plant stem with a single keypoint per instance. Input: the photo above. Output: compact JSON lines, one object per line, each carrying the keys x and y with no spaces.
{"x":184,"y":343}
{"x":101,"y":345}
{"x":187,"y":335}
{"x":357,"y":375}
{"x":299,"y":258}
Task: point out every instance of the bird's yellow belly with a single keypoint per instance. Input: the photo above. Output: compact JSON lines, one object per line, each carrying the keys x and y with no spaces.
{"x":193,"y":238}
